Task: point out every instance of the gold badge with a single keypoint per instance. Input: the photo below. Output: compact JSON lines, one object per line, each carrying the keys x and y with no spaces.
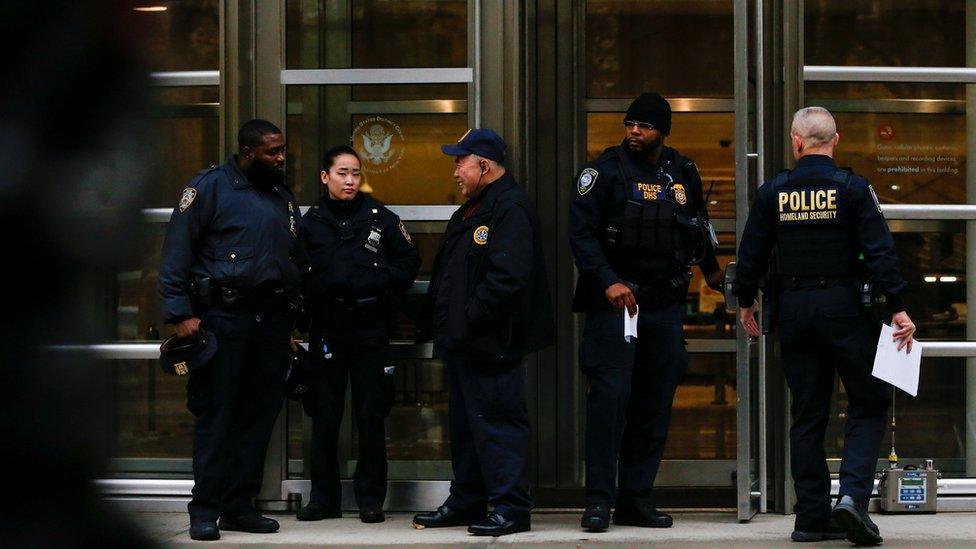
{"x":189,"y":194}
{"x":679,"y":194}
{"x":480,"y":235}
{"x":406,"y":235}
{"x":181,"y":368}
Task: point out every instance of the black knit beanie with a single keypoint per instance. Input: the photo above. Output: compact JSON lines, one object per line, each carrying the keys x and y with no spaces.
{"x":651,"y":108}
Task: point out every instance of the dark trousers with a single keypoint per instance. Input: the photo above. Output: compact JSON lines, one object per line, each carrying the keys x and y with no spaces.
{"x":236,"y":399}
{"x":490,"y":435}
{"x":820,"y":330}
{"x":358,"y":359}
{"x":628,"y":401}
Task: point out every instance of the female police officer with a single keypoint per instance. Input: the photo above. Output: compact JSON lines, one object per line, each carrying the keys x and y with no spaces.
{"x":360,"y":256}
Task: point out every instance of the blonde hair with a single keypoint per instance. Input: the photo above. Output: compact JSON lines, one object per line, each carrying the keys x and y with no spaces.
{"x":815,"y":125}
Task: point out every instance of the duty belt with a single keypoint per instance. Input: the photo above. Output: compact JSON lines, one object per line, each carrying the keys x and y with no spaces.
{"x":802,"y":282}
{"x":266,"y":297}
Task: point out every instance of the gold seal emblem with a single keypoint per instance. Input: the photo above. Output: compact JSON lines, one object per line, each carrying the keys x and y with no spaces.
{"x":189,"y":194}
{"x":480,"y":235}
{"x":679,"y":194}
{"x":181,"y":369}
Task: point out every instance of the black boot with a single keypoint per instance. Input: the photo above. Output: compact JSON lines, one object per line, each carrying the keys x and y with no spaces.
{"x":251,"y":523}
{"x":204,"y":530}
{"x":318,"y":511}
{"x":497,"y":525}
{"x":444,"y":516}
{"x":827,"y":529}
{"x":596,"y":518}
{"x":854,"y":518}
{"x":371,"y":515}
{"x":641,"y":514}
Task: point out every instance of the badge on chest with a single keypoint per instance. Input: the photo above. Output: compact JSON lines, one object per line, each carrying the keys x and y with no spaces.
{"x":374,"y":238}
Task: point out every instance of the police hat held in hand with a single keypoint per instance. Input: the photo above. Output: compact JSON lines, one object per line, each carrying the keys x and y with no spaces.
{"x":182,"y":355}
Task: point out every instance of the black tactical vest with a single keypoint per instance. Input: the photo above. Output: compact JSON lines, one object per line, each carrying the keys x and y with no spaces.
{"x":653,"y":220}
{"x":814,"y":226}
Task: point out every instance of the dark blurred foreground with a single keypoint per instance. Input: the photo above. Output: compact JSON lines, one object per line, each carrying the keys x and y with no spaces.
{"x":72,"y":168}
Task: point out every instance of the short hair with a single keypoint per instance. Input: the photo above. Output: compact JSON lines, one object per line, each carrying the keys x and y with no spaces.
{"x":328,"y":159}
{"x":815,"y":124}
{"x":252,"y":133}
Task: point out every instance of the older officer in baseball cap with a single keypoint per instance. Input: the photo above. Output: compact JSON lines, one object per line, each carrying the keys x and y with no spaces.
{"x":487,"y":306}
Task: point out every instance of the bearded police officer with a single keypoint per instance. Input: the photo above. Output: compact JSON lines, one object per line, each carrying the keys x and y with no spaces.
{"x":228,"y":267}
{"x":637,"y":223}
{"x":487,"y":306}
{"x":816,"y":221}
{"x":361,"y":258}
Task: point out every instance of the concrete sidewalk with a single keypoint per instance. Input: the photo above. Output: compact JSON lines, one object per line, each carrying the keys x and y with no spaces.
{"x":550,"y":530}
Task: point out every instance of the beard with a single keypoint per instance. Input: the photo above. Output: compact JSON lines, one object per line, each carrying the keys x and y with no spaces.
{"x":265,"y":176}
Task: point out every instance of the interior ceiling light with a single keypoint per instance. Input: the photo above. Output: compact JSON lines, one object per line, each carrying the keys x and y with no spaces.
{"x":931,"y":278}
{"x":948,"y":278}
{"x":151,"y":8}
{"x":895,"y":187}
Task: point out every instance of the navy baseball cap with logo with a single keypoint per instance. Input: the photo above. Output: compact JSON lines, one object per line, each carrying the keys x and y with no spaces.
{"x":480,"y":141}
{"x":183,"y":355}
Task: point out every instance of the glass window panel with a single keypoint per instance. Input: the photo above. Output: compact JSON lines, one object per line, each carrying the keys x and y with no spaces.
{"x":934,"y":265}
{"x":636,"y":46}
{"x":887,"y":96}
{"x":703,"y":420}
{"x":152,"y":424}
{"x":183,"y":37}
{"x":185,"y":127}
{"x":889,"y":33}
{"x":910,"y":158}
{"x":407,"y":169}
{"x":376,"y":34}
{"x":930,"y":426}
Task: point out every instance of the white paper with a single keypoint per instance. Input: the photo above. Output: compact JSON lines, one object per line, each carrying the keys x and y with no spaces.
{"x":630,"y":323}
{"x":899,"y":368}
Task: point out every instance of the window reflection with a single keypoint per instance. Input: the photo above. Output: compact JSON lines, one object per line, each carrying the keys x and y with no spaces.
{"x":636,"y":46}
{"x":703,"y":420}
{"x":184,"y":37}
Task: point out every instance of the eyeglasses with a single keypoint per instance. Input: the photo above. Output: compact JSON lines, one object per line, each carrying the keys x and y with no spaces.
{"x":642,"y":125}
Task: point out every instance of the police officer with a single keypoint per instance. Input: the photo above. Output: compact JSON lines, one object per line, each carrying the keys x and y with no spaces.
{"x":228,"y":267}
{"x":637,"y":222}
{"x":487,"y":306}
{"x":817,"y":220}
{"x":360,"y":258}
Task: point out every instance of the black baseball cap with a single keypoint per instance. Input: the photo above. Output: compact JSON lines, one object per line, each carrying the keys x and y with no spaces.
{"x":480,"y":141}
{"x":183,"y":355}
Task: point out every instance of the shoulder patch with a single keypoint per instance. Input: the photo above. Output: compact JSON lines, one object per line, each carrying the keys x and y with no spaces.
{"x":189,"y":195}
{"x":874,"y":197}
{"x":480,"y":235}
{"x":587,"y":180}
{"x":403,"y":231}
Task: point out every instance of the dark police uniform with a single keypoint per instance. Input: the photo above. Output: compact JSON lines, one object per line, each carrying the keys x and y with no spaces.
{"x":642,"y":225}
{"x":360,"y":257}
{"x":487,"y":306}
{"x":228,"y":258}
{"x":819,"y":219}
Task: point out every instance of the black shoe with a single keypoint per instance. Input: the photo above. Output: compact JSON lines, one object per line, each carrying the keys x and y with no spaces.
{"x":318,"y":511}
{"x":860,"y":529}
{"x":444,"y":516}
{"x":596,"y":518}
{"x":643,"y":515}
{"x":826,"y":530}
{"x":497,"y":525}
{"x":251,"y":523}
{"x":204,"y":530}
{"x":370,"y":515}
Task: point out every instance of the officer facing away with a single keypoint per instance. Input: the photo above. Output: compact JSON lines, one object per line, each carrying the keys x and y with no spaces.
{"x":816,"y":221}
{"x":361,"y":258}
{"x":227,"y":267}
{"x":637,"y":223}
{"x":487,"y":306}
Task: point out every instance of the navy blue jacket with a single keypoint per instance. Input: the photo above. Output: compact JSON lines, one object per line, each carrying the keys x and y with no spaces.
{"x":342,"y":261}
{"x":869,"y":234}
{"x":488,"y":298}
{"x":227,"y":229}
{"x":599,"y":190}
